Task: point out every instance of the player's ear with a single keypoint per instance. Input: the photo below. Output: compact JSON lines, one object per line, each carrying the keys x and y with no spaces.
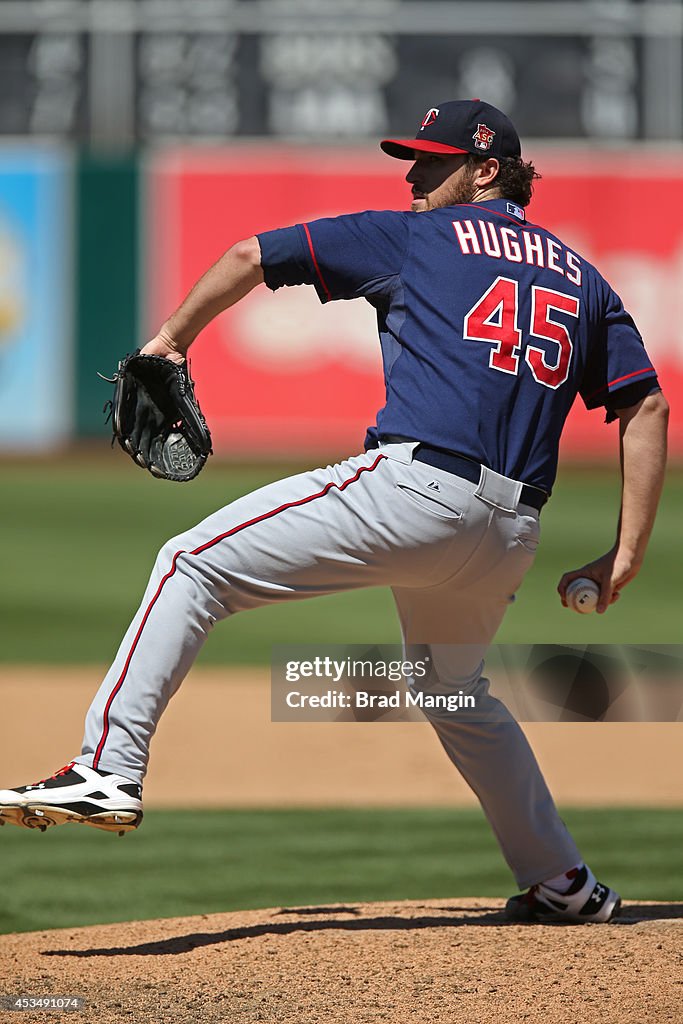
{"x":486,"y":172}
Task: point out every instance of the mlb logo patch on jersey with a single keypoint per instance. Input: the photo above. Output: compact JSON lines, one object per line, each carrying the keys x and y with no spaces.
{"x":483,"y":137}
{"x":516,"y":211}
{"x":429,"y":118}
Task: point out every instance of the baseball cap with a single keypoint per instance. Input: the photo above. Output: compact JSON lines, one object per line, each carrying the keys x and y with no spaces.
{"x":460,"y":126}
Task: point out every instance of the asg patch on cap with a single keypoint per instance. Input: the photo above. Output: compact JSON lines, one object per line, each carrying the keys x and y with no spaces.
{"x":483,"y":137}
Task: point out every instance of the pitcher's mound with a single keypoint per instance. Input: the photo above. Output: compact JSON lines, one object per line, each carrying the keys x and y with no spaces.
{"x":451,"y":960}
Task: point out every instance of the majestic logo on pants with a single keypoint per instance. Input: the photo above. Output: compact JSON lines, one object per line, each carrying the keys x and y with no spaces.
{"x":483,"y":137}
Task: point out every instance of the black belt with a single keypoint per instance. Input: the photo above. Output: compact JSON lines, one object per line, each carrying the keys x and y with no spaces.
{"x":463,"y":467}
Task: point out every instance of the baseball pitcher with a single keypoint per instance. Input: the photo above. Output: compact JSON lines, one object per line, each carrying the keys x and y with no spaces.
{"x":490,"y":326}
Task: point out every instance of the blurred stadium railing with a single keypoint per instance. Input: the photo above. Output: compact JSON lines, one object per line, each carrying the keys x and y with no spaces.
{"x":139,"y":138}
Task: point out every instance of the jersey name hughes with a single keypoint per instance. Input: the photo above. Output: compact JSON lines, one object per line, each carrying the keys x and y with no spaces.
{"x":484,"y":238}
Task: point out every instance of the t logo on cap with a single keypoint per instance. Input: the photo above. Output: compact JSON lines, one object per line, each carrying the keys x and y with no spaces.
{"x":430,"y":117}
{"x":483,"y":137}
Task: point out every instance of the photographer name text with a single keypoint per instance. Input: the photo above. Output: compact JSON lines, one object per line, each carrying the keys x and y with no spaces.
{"x":363,"y":699}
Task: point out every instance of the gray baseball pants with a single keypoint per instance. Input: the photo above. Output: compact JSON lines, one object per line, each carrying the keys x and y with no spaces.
{"x":453,"y":552}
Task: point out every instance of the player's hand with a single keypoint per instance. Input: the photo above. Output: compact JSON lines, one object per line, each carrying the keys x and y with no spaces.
{"x":612,"y":571}
{"x":163,"y":345}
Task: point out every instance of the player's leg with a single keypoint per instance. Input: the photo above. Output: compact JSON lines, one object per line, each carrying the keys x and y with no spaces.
{"x":458,"y":619}
{"x":312,"y":534}
{"x":296,"y":538}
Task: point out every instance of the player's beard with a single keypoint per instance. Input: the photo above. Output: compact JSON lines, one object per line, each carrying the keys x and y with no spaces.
{"x":459,"y":188}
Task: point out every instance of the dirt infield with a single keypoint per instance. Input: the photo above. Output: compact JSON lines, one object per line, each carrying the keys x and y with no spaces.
{"x":221,"y":719}
{"x":440,"y":960}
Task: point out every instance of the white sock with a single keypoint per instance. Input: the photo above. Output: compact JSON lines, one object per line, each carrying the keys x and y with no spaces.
{"x":560,"y":883}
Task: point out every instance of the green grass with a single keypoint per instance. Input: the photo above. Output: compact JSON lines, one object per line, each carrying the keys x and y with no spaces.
{"x":183,"y":863}
{"x":79,"y":539}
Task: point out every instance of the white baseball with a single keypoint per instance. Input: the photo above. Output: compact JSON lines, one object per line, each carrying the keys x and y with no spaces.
{"x":582,"y":595}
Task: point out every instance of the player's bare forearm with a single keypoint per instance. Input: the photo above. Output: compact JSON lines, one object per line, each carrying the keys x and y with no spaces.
{"x":232,"y":277}
{"x":642,"y":430}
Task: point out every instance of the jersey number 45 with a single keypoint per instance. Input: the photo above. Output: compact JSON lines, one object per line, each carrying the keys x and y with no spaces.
{"x":493,"y":318}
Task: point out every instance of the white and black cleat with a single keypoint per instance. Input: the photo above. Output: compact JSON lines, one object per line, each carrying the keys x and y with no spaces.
{"x":75,"y":794}
{"x":586,"y":901}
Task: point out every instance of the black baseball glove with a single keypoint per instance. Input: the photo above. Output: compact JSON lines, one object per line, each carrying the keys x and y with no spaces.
{"x":156,"y":418}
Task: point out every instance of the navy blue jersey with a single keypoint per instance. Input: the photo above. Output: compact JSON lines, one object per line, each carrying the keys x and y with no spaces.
{"x":489,"y":326}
